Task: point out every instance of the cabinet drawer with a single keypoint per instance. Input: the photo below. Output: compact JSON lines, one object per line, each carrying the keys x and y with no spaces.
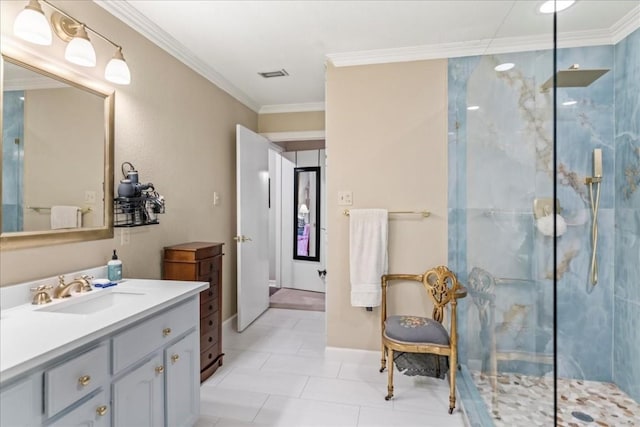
{"x":75,"y":378}
{"x":209,"y":308}
{"x":209,"y":323}
{"x":206,"y":266}
{"x":208,"y":355}
{"x":209,"y":336}
{"x":140,"y":340}
{"x":208,"y":295}
{"x":94,"y":412}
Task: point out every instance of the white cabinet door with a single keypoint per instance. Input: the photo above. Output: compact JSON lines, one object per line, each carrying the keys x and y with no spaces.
{"x":21,"y":403}
{"x":182,"y":360}
{"x":93,"y":413}
{"x":138,"y":397}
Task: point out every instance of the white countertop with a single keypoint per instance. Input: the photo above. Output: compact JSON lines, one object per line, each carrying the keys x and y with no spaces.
{"x":30,"y":337}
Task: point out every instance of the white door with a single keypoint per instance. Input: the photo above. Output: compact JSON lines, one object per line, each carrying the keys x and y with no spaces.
{"x":252,"y":181}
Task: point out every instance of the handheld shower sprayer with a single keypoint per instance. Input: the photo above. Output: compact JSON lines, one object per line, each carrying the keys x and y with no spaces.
{"x":596,"y":180}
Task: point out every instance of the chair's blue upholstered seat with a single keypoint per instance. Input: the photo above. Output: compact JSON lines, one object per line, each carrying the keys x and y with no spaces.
{"x":416,"y":329}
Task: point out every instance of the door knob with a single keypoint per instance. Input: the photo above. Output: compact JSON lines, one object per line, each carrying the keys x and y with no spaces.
{"x":242,"y":238}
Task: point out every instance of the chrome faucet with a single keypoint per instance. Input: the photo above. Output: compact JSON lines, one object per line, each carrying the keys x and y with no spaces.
{"x":63,"y":290}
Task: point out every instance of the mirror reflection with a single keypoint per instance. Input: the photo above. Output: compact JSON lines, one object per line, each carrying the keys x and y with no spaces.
{"x":53,"y":153}
{"x":306,"y":193}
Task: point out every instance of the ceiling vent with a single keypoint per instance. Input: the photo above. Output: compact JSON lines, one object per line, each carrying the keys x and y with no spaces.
{"x":278,"y":73}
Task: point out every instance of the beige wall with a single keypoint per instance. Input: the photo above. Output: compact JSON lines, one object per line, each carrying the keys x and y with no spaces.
{"x":291,"y":122}
{"x":387,"y":143}
{"x":63,"y":154}
{"x":178,"y":129}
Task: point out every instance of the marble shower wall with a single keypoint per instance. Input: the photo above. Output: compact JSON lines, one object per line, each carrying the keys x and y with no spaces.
{"x":626,"y":342}
{"x":501,"y":159}
{"x":498,"y":152}
{"x":12,"y":159}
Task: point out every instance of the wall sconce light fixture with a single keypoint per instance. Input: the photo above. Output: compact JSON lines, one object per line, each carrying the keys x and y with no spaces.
{"x":31,"y":25}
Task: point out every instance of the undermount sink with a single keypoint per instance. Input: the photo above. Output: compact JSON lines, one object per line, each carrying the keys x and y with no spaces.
{"x":91,"y":304}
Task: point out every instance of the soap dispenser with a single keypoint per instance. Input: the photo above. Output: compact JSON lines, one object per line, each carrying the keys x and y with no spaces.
{"x":114,"y":268}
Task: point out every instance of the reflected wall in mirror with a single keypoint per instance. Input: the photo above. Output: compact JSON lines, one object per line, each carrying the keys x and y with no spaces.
{"x":306,"y":204}
{"x":57,"y":151}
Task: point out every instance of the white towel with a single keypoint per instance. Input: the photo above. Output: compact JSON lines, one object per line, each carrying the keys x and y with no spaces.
{"x":65,"y":217}
{"x":367,"y":255}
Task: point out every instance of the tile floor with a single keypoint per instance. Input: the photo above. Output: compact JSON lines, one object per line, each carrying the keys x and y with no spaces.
{"x":277,"y":373}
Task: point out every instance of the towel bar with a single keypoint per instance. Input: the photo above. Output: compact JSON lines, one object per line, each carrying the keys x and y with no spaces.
{"x":44,"y":208}
{"x":425,"y":214}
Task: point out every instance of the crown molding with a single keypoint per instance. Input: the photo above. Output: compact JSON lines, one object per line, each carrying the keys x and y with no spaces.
{"x":626,"y":25}
{"x":140,"y":23}
{"x":308,"y":135}
{"x":618,"y":31}
{"x":292,"y":108}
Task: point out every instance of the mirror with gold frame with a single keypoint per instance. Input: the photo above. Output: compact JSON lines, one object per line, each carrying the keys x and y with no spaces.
{"x":57,"y":154}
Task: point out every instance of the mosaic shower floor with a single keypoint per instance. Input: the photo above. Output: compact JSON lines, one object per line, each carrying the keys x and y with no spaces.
{"x":528,"y":401}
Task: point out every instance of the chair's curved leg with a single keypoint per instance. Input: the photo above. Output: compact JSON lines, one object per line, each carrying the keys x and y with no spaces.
{"x":390,"y":383}
{"x":383,"y":361}
{"x":453,"y":362}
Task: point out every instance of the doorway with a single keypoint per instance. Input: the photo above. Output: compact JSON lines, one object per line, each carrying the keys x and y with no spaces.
{"x":295,"y":281}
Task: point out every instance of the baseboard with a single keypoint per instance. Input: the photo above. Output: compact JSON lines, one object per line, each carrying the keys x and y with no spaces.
{"x":230,"y":325}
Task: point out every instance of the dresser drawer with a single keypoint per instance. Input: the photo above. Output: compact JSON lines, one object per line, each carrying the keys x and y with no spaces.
{"x":140,"y":340}
{"x":209,"y":308}
{"x":209,"y":337}
{"x":209,"y":323}
{"x":208,"y":355}
{"x":75,"y":378}
{"x":208,"y":295}
{"x":206,"y":267}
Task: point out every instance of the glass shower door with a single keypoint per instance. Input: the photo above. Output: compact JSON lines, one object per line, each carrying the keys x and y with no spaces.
{"x":12,"y":160}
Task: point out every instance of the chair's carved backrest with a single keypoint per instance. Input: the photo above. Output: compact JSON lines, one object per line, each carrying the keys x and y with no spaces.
{"x":441,"y":285}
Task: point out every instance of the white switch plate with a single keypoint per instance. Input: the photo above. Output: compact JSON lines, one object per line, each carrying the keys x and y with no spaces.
{"x":89,"y":196}
{"x":216,"y":198}
{"x":345,"y":198}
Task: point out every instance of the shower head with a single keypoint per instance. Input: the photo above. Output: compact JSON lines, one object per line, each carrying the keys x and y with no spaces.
{"x":574,"y":77}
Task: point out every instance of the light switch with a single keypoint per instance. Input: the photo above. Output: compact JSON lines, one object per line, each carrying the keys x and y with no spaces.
{"x":216,"y":198}
{"x":89,"y":196}
{"x":345,"y":198}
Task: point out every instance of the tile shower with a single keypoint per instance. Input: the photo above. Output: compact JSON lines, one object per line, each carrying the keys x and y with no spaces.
{"x":12,"y":159}
{"x":501,"y":158}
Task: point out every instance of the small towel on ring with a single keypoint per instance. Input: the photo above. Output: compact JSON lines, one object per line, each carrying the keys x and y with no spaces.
{"x":65,"y":217}
{"x":367,"y":255}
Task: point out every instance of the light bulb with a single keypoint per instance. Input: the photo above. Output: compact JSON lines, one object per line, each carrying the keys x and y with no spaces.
{"x":117,"y":70}
{"x":80,"y":50}
{"x":31,"y":25}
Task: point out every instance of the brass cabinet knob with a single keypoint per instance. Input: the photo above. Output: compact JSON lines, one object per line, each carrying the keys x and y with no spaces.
{"x":101,"y":410}
{"x":159,"y":369}
{"x":166,"y":332}
{"x":175,"y":358}
{"x":84,"y":380}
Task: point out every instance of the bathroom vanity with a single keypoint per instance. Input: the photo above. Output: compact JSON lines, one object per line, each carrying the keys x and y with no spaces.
{"x":127,"y":355}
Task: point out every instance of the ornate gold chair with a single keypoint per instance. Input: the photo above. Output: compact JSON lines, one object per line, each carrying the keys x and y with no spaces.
{"x":414,"y":334}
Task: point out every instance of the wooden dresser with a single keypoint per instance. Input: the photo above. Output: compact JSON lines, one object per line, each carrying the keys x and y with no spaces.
{"x":201,"y":261}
